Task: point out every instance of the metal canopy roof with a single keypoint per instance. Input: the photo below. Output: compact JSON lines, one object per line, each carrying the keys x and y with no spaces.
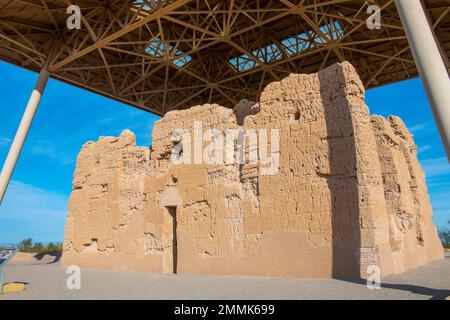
{"x":163,"y":55}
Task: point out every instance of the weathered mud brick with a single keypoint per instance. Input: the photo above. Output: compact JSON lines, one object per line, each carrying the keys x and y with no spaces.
{"x":348,"y":191}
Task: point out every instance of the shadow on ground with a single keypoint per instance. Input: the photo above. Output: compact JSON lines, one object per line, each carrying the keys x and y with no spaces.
{"x":48,"y":257}
{"x":434,"y":294}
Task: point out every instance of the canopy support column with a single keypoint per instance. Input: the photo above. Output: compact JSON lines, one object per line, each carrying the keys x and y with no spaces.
{"x":429,"y":62}
{"x":22,"y":132}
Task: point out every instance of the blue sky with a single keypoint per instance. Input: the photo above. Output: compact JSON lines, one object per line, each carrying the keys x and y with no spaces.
{"x":36,"y":200}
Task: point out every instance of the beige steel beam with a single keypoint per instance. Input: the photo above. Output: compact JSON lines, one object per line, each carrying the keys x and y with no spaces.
{"x":22,"y":132}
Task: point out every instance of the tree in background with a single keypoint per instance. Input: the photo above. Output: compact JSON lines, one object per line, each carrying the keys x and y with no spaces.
{"x":27,"y":245}
{"x":444,"y":235}
{"x":54,"y":247}
{"x":38,"y":246}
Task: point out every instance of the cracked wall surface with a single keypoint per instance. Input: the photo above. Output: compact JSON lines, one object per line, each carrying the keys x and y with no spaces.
{"x":412,"y":234}
{"x":349,"y":192}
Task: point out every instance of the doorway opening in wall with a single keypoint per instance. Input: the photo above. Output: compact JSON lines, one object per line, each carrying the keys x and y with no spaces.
{"x":172,"y":255}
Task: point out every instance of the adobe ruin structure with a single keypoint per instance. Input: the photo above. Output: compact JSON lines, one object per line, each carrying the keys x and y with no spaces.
{"x":349,"y":192}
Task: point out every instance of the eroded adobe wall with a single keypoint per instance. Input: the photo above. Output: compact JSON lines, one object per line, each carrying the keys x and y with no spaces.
{"x":109,"y":213}
{"x":413,"y":238}
{"x":326,"y":212}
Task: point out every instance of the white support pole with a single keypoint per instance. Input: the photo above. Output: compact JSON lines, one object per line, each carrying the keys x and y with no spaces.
{"x":22,"y":132}
{"x":429,"y":62}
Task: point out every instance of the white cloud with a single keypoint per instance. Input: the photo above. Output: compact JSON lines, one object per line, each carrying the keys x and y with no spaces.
{"x":4,"y":141}
{"x":441,"y":206}
{"x":134,"y":112}
{"x":52,"y":150}
{"x":418,"y":127}
{"x":422,"y":149}
{"x":436,"y":167}
{"x":28,"y":211}
{"x":26,"y":202}
{"x":106,"y":121}
{"x":437,"y":173}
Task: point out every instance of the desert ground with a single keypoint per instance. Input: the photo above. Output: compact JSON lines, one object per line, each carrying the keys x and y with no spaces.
{"x":46,"y":279}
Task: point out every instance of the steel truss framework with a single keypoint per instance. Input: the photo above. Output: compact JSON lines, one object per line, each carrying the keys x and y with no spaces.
{"x":165,"y":55}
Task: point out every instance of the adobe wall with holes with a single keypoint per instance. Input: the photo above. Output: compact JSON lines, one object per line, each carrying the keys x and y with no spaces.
{"x":348,"y":191}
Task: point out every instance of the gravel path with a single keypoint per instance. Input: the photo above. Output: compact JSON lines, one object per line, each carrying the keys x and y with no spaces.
{"x":48,"y":281}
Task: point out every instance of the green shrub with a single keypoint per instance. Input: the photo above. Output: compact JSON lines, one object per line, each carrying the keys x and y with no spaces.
{"x":51,"y":248}
{"x":444,"y":235}
{"x":27,"y":245}
{"x":38,"y":246}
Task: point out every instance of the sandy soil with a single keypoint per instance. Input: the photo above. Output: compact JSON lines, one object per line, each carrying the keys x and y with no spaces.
{"x":24,"y":258}
{"x":48,"y":281}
